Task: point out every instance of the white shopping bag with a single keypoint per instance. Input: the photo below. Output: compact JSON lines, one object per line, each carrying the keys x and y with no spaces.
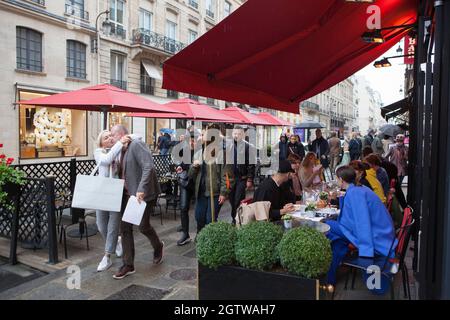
{"x":98,"y":193}
{"x":134,"y":211}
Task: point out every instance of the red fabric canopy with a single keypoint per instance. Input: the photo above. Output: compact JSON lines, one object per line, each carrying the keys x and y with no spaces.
{"x":103,"y":97}
{"x":158,"y":115}
{"x":245,"y":117}
{"x":275,"y":121}
{"x":278,"y":53}
{"x":190,"y":109}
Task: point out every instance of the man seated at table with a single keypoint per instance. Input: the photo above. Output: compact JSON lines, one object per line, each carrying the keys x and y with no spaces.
{"x":364,"y":222}
{"x":270,"y":190}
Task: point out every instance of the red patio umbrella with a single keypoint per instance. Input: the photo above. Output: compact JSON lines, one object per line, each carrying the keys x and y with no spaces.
{"x":274,"y":121}
{"x":304,"y":48}
{"x":104,"y":98}
{"x":244,"y":116}
{"x":189,"y":109}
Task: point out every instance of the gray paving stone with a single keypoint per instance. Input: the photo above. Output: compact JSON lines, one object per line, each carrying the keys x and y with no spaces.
{"x":54,"y":291}
{"x":184,"y":274}
{"x":136,"y":292}
{"x":163,"y":283}
{"x":183,"y":293}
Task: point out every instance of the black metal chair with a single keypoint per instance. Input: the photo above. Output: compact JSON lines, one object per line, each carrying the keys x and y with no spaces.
{"x":386,"y":264}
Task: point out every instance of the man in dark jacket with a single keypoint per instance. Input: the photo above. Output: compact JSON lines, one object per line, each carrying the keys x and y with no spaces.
{"x":244,"y":159}
{"x":320,"y":147}
{"x":282,"y":146}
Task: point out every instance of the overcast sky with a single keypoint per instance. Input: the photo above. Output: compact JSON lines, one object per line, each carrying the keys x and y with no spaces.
{"x":387,"y":81}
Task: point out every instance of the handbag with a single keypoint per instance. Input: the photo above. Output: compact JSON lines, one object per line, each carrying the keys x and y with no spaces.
{"x":98,"y":193}
{"x":256,"y":211}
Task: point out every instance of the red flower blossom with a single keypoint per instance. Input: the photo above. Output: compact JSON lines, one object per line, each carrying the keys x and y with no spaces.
{"x":2,"y":156}
{"x":1,"y":145}
{"x":9,"y":161}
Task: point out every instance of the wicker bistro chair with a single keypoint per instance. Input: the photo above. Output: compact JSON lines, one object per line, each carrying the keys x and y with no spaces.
{"x":388,"y":266}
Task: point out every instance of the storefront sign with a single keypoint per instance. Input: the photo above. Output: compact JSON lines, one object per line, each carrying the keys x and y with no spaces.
{"x":410,"y":45}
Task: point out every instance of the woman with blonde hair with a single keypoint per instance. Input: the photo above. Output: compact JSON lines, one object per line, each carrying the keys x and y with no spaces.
{"x":106,"y":156}
{"x":310,"y":173}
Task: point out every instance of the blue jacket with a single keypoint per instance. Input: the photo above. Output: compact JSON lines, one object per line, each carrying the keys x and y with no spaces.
{"x":366,"y":223}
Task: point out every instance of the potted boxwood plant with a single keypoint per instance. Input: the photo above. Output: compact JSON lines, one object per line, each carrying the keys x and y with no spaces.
{"x":256,"y":272}
{"x":10,"y":181}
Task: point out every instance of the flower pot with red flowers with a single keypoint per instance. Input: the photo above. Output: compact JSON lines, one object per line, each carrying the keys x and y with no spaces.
{"x":10,"y":181}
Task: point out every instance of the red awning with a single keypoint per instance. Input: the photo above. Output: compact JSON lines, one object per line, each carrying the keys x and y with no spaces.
{"x":276,"y":54}
{"x":102,"y":97}
{"x":158,"y":115}
{"x":244,"y":116}
{"x":274,"y":121}
{"x":190,"y":109}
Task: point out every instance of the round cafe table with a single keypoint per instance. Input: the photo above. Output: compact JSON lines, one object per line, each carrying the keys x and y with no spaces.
{"x":319,"y":226}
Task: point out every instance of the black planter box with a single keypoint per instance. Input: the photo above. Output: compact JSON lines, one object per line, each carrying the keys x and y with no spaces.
{"x":237,"y":283}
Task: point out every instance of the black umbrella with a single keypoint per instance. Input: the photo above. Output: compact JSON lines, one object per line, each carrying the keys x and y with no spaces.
{"x":390,"y":130}
{"x":310,"y":125}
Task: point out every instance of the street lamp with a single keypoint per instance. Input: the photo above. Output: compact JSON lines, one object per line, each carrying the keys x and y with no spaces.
{"x":385,"y":62}
{"x":375,"y":36}
{"x":106,"y":26}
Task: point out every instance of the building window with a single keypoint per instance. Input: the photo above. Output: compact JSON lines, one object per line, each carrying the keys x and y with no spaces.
{"x":227,"y":8}
{"x":147,"y":82}
{"x":210,"y":101}
{"x":28,"y":49}
{"x":117,"y":17}
{"x":76,"y":8}
{"x":118,"y":67}
{"x":193,"y":97}
{"x":209,"y":8}
{"x":192,"y":36}
{"x":171,"y":36}
{"x":193,"y":4}
{"x":145,"y":20}
{"x":41,"y":2}
{"x":51,"y":132}
{"x":76,"y":59}
{"x":172,"y":94}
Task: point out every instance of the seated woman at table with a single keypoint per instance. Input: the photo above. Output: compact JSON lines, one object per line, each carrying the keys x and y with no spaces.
{"x":270,"y":190}
{"x":360,"y":170}
{"x":310,"y":172}
{"x":363,"y":221}
{"x":293,"y":185}
{"x":368,"y":177}
{"x":106,"y":156}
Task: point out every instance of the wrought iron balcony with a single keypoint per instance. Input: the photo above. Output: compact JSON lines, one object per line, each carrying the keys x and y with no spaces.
{"x":210,"y":14}
{"x":210,"y":101}
{"x":193,"y":4}
{"x":41,"y":2}
{"x":118,"y":30}
{"x":77,"y":12}
{"x":119,"y":84}
{"x":309,"y":105}
{"x":147,"y":86}
{"x":157,"y":41}
{"x":193,"y":97}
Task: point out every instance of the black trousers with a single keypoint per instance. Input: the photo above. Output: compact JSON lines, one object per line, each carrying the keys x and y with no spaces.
{"x":185,"y":203}
{"x":237,"y":194}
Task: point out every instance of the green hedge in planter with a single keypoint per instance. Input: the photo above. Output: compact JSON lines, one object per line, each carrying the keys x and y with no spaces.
{"x":256,"y":245}
{"x":215,"y":244}
{"x":305,"y":252}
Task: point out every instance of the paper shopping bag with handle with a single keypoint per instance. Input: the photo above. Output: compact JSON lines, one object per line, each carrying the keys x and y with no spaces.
{"x":98,"y":193}
{"x":256,"y":211}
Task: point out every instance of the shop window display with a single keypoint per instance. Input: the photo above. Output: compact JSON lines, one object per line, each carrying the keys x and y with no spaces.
{"x":51,"y":132}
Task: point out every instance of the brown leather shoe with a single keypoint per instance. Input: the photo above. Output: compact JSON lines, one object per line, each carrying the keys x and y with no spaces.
{"x":158,"y":254}
{"x":123,"y":272}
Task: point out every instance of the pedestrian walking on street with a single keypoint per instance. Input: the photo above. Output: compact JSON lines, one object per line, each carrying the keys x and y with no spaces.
{"x":244,"y":159}
{"x":106,"y":156}
{"x":377,"y":145}
{"x":354,"y":147}
{"x":295,"y":147}
{"x":137,"y":168}
{"x":282,"y":147}
{"x":398,"y":155}
{"x":320,"y":147}
{"x":335,"y":150}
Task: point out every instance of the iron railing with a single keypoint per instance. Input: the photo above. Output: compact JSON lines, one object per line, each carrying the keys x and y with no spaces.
{"x":210,"y":101}
{"x":157,"y":41}
{"x":193,"y":4}
{"x":77,"y":12}
{"x":172,"y":94}
{"x":193,"y":97}
{"x":41,"y":2}
{"x":147,"y":85}
{"x":119,"y":84}
{"x":309,"y":105}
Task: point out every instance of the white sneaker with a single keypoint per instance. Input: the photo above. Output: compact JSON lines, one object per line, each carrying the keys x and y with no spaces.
{"x":104,"y":264}
{"x":119,"y":250}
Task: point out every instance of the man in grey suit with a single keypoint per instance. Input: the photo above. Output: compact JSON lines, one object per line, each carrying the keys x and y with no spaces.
{"x":137,"y":168}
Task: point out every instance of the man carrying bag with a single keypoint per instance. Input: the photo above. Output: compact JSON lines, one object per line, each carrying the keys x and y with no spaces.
{"x":136,"y":167}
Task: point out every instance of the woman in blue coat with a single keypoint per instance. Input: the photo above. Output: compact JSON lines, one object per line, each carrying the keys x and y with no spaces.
{"x":364,"y":222}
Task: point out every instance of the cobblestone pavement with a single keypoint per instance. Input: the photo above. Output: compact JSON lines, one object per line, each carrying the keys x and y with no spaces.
{"x":175,"y":278}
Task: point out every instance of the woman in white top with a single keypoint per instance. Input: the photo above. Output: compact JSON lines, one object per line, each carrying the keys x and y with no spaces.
{"x":106,"y":156}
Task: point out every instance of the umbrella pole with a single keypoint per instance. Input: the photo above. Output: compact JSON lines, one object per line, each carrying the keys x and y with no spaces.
{"x":211,"y":193}
{"x":105,"y":119}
